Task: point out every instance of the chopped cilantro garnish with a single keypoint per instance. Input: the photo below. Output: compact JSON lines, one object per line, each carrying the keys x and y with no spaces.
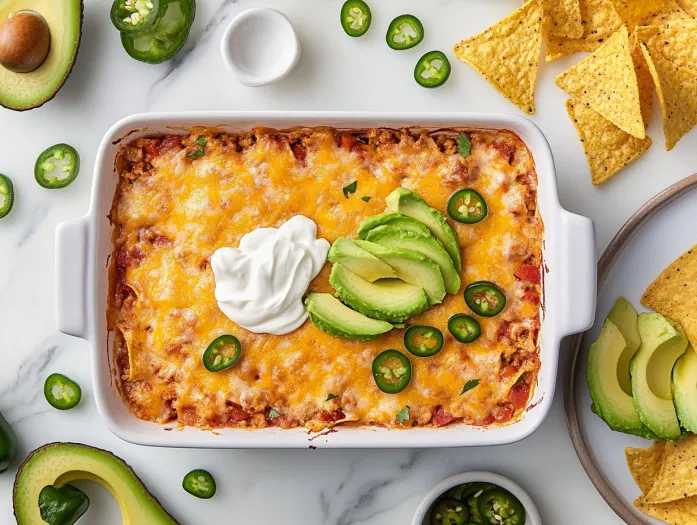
{"x":274,"y":414}
{"x":198,"y":152}
{"x":365,"y":198}
{"x":464,"y":146}
{"x":331,"y":396}
{"x":350,"y":188}
{"x":469,"y":385}
{"x":403,"y":415}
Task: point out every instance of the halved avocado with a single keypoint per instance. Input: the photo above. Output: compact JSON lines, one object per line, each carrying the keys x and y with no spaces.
{"x":390,"y":300}
{"x":624,"y":317}
{"x":60,"y":463}
{"x":359,"y":261}
{"x":22,"y":91}
{"x":412,"y":205}
{"x":335,"y":318}
{"x":685,"y":389}
{"x":392,"y":218}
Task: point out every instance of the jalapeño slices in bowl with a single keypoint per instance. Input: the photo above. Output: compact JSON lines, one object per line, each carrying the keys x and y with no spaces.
{"x":477,"y":503}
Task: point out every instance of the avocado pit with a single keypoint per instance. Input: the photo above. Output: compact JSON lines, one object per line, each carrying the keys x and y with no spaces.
{"x":25,"y":40}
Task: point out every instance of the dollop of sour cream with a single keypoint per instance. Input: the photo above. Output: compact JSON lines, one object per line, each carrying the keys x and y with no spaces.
{"x":260,"y":285}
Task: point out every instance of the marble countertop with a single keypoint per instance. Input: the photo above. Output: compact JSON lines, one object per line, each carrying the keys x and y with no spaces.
{"x":334,"y":73}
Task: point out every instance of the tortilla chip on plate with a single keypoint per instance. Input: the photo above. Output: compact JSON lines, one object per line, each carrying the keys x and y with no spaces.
{"x":645,"y":464}
{"x":563,"y":18}
{"x":636,"y":13}
{"x":608,"y":149}
{"x":644,"y":81}
{"x":690,"y":6}
{"x":670,"y":51}
{"x":679,"y":512}
{"x":606,"y":82}
{"x":508,"y":53}
{"x":677,"y":478}
{"x":674,"y":294}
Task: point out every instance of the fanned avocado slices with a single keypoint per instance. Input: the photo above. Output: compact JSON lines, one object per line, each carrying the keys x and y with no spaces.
{"x":335,"y":318}
{"x":392,"y":218}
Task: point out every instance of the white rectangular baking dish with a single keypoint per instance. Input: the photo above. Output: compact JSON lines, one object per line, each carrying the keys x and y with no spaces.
{"x":84,"y":246}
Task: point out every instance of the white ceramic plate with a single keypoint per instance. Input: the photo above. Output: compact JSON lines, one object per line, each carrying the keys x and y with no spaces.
{"x":655,"y":236}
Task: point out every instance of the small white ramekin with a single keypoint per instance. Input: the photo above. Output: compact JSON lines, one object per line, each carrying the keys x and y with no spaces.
{"x":260,"y":46}
{"x":532,"y":515}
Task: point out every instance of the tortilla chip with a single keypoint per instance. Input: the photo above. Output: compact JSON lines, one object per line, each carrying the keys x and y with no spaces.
{"x":636,"y":13}
{"x":599,"y":21}
{"x":669,"y":52}
{"x":608,"y":149}
{"x":644,"y":81}
{"x":645,"y":464}
{"x":680,"y":512}
{"x":677,"y":478}
{"x":563,"y":18}
{"x":674,"y":294}
{"x":690,"y":6}
{"x":607,"y":83}
{"x":508,"y":53}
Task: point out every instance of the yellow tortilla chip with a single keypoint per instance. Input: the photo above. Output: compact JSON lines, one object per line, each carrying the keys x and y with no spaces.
{"x":508,"y":53}
{"x":607,"y":83}
{"x":563,"y":18}
{"x":608,"y":149}
{"x":677,"y":478}
{"x":636,"y":13}
{"x":645,"y":464}
{"x":690,"y":6}
{"x":669,"y":52}
{"x":680,"y":512}
{"x":599,"y":21}
{"x":644,"y":81}
{"x":674,"y":294}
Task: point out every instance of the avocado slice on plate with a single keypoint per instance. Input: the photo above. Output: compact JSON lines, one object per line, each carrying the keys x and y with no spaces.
{"x":390,"y":300}
{"x":57,"y":464}
{"x":411,"y":267}
{"x":362,"y":263}
{"x":662,"y":343}
{"x":685,"y":389}
{"x":427,"y":245}
{"x":335,"y":318}
{"x":410,"y":204}
{"x":624,"y":317}
{"x":22,"y":91}
{"x":392,"y":218}
{"x":610,"y":402}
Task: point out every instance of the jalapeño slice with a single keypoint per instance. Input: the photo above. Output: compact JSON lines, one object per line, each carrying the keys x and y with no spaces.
{"x":222,"y":353}
{"x":485,"y":298}
{"x":391,"y":371}
{"x":7,"y":195}
{"x":423,"y":341}
{"x":132,"y":16}
{"x":470,"y":495}
{"x":57,"y":166}
{"x":467,"y":206}
{"x":199,"y":483}
{"x":62,"y":393}
{"x":449,"y":511}
{"x":464,"y":328}
{"x":355,"y":17}
{"x":432,"y":69}
{"x":404,"y":32}
{"x":499,"y":507}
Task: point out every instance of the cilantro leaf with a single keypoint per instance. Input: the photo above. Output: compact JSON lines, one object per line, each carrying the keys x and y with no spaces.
{"x":350,"y":188}
{"x":198,"y":152}
{"x":331,"y":396}
{"x":464,"y":146}
{"x":365,"y":198}
{"x":469,"y":385}
{"x":274,"y":414}
{"x":403,"y":415}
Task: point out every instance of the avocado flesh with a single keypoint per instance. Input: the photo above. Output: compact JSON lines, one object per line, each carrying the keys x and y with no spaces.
{"x":684,"y":388}
{"x":610,"y":401}
{"x":362,"y":263}
{"x":390,"y":300}
{"x":624,"y":317}
{"x":335,"y":318}
{"x":410,"y":204}
{"x":427,"y":245}
{"x":662,"y":343}
{"x":392,"y":218}
{"x":21,"y":91}
{"x":60,"y":463}
{"x":411,"y":267}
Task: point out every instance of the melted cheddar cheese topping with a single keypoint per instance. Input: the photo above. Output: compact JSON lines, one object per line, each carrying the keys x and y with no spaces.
{"x":171,"y":212}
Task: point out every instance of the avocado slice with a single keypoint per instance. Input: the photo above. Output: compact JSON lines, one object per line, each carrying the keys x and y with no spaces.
{"x":22,"y":91}
{"x":411,"y":267}
{"x":610,"y":402}
{"x":662,"y":342}
{"x":427,"y":245}
{"x":335,"y":318}
{"x":684,"y":388}
{"x":362,"y":263}
{"x":410,"y":204}
{"x":390,"y":300}
{"x":60,"y":463}
{"x":392,"y":218}
{"x":624,"y":317}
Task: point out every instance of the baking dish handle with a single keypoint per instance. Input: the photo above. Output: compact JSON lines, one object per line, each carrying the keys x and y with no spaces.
{"x":579,"y":286}
{"x":71,"y":277}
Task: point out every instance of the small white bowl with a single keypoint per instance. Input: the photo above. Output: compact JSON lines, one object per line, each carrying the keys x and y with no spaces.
{"x":260,"y":46}
{"x":532,"y":515}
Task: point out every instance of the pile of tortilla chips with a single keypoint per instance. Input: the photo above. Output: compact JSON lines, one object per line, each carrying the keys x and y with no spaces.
{"x":635,"y":45}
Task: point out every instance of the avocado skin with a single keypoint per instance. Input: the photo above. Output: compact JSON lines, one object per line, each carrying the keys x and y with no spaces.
{"x":66,"y":73}
{"x":163,"y":517}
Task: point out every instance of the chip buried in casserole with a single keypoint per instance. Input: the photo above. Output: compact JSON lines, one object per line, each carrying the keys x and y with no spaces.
{"x":317,"y":277}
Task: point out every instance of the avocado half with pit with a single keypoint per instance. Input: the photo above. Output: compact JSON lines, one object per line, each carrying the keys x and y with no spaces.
{"x":30,"y":76}
{"x":58,"y":464}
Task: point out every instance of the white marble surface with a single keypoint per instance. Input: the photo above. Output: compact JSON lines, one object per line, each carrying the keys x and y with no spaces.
{"x":302,"y":487}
